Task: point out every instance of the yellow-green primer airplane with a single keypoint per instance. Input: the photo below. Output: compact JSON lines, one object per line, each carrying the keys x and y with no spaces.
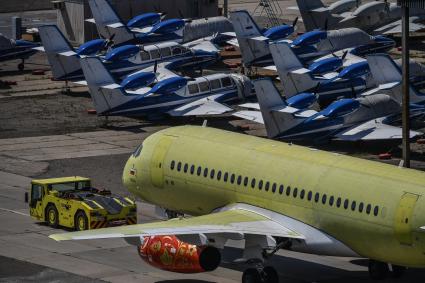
{"x":275,"y":195}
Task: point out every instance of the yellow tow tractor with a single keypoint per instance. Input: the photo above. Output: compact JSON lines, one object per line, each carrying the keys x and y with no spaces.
{"x":72,"y":202}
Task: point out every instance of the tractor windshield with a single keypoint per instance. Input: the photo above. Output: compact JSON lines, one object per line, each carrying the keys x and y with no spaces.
{"x":69,"y":186}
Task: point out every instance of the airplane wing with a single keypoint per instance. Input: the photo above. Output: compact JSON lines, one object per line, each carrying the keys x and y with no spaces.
{"x":203,"y":44}
{"x":225,"y":223}
{"x":255,"y":106}
{"x":200,"y":107}
{"x":162,"y":72}
{"x":233,"y":41}
{"x":254,"y":116}
{"x":91,"y":20}
{"x":395,"y":27}
{"x":373,"y":130}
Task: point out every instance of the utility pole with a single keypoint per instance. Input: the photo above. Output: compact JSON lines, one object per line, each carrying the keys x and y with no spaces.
{"x":406,"y":99}
{"x":226,"y":8}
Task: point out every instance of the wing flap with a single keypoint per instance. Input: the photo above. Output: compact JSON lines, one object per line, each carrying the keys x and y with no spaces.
{"x":203,"y":106}
{"x":225,"y":222}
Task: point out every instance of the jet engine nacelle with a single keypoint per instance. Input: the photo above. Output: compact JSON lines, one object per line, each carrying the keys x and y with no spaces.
{"x":326,"y":65}
{"x":169,"y":85}
{"x":122,"y":53}
{"x":310,"y":38}
{"x":91,"y":47}
{"x":168,"y":26}
{"x":355,"y":70}
{"x":171,"y":254}
{"x":302,"y":100}
{"x":138,"y":80}
{"x":144,"y":20}
{"x":279,"y":32}
{"x":341,"y":108}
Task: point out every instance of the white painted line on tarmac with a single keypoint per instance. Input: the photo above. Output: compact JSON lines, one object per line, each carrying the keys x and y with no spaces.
{"x":14,"y":211}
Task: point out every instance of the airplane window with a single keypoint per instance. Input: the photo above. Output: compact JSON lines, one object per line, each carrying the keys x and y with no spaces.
{"x":232,"y":178}
{"x":302,"y":194}
{"x":204,"y":86}
{"x":199,"y":171}
{"x":346,"y":203}
{"x":145,"y":56}
{"x":173,"y":163}
{"x":177,"y":51}
{"x":267,"y":186}
{"x":155,"y":54}
{"x":331,"y":200}
{"x":226,"y":175}
{"x":193,"y":88}
{"x":324,"y":198}
{"x":281,"y":189}
{"x":338,"y":202}
{"x":186,"y":166}
{"x":179,"y":166}
{"x":316,"y":197}
{"x":205,"y":172}
{"x":219,"y":175}
{"x":245,"y":181}
{"x":253,"y":183}
{"x":260,"y":184}
{"x":310,"y":195}
{"x":165,"y":52}
{"x":274,"y":187}
{"x":368,"y":209}
{"x":288,"y":190}
{"x":239,"y":179}
{"x":295,"y":193}
{"x":361,"y":205}
{"x":212,"y":173}
{"x":192,"y":169}
{"x":376,"y":211}
{"x":226,"y":82}
{"x":215,"y":84}
{"x":353,"y":205}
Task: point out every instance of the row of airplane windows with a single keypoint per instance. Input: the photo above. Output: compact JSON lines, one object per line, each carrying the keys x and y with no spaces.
{"x":361,"y":207}
{"x":162,"y":53}
{"x":205,"y":86}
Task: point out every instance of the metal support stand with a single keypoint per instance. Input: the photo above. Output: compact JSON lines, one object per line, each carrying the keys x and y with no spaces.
{"x":406,"y":98}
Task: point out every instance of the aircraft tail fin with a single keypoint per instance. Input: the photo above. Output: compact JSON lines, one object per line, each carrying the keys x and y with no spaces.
{"x":277,"y":116}
{"x":294,"y":77}
{"x":105,"y":92}
{"x":314,"y":13}
{"x":108,"y":23}
{"x":60,"y":54}
{"x":252,"y":43}
{"x":387,"y":76}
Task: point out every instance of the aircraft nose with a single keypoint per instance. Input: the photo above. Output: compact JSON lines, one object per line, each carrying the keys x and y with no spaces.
{"x":129,"y":175}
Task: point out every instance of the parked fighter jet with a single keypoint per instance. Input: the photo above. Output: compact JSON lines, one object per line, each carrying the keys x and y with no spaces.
{"x":376,"y":17}
{"x":254,"y":44}
{"x":152,"y":27}
{"x":155,"y":91}
{"x":16,"y":49}
{"x":122,"y":60}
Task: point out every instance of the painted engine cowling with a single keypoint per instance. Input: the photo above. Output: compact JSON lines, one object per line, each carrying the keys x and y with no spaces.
{"x":340,"y":108}
{"x":171,"y":254}
{"x":168,"y":26}
{"x":144,"y":20}
{"x":138,"y":80}
{"x":355,"y":70}
{"x":326,"y":65}
{"x":169,"y":85}
{"x":122,"y":53}
{"x":310,"y":38}
{"x":302,"y":100}
{"x":381,"y":44}
{"x":279,"y":32}
{"x":91,"y":47}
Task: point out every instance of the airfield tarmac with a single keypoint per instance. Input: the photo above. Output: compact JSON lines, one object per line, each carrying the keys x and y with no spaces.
{"x":45,"y":132}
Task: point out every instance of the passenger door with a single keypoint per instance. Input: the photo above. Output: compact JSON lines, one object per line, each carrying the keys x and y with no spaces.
{"x":403,"y":218}
{"x":157,"y":161}
{"x":36,"y":208}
